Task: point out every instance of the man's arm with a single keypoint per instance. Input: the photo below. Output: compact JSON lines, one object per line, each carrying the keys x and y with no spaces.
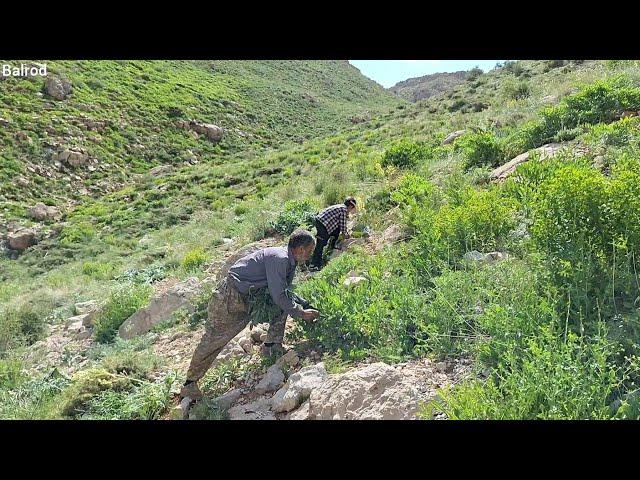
{"x":276,"y":270}
{"x":343,"y":224}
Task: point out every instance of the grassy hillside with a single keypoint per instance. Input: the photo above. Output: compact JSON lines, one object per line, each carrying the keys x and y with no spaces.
{"x":125,"y":115}
{"x":552,"y":329}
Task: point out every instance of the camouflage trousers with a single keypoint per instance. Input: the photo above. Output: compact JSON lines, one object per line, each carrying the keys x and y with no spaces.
{"x":228,"y":314}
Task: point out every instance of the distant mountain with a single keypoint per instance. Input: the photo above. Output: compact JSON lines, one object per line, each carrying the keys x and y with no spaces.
{"x":419,"y":88}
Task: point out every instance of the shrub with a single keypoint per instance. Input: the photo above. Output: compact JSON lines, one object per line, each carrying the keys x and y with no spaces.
{"x":406,"y":154}
{"x":295,"y":214}
{"x":194,"y":259}
{"x":553,"y":378}
{"x":480,"y":149}
{"x":376,"y":317}
{"x":516,"y":90}
{"x":98,"y":270}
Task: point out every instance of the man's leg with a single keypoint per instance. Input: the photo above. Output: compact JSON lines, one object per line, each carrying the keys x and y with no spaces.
{"x":228,"y":315}
{"x":321,"y":241}
{"x":275,"y":335}
{"x":333,"y":238}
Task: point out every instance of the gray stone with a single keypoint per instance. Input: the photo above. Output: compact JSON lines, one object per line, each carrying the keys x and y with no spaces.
{"x":258,"y":410}
{"x":298,"y":388}
{"x":160,"y":308}
{"x":42,"y":212}
{"x":225,"y":401}
{"x":272,"y":380}
{"x":57,"y":87}
{"x":452,"y":136}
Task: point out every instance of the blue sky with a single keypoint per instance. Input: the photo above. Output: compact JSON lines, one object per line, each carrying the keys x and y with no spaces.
{"x":389,"y":72}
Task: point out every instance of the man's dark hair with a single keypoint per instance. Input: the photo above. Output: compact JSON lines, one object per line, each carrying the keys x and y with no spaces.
{"x":301,"y":238}
{"x":350,"y":202}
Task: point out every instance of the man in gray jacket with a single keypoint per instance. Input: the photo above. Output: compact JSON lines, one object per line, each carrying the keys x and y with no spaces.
{"x":228,"y":311}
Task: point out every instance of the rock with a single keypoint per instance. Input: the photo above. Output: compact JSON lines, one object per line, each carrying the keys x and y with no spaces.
{"x":301,"y":413}
{"x":244,"y":340}
{"x":22,"y":239}
{"x":550,"y":99}
{"x":263,"y":337}
{"x":86,"y":307}
{"x":353,"y":281}
{"x":160,"y":308}
{"x":545,"y":151}
{"x":474,"y":255}
{"x":290,"y":358}
{"x":57,"y":87}
{"x":494,"y":256}
{"x":213,"y":132}
{"x":4,"y":122}
{"x":272,"y":380}
{"x":227,"y":241}
{"x":374,"y":392}
{"x":298,"y":388}
{"x":85,"y":319}
{"x":74,"y":324}
{"x":160,"y":170}
{"x":225,"y":401}
{"x":230,"y":350}
{"x":452,"y":136}
{"x":258,"y":410}
{"x":392,"y":234}
{"x":257,"y":333}
{"x":349,"y":242}
{"x":71,"y":157}
{"x":42,"y":212}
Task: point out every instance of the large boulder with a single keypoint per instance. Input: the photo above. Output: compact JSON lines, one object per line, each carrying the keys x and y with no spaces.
{"x":72,"y":158}
{"x":57,"y":87}
{"x":213,"y":132}
{"x":374,"y":392}
{"x":160,"y":308}
{"x":298,"y":388}
{"x":546,"y":151}
{"x":42,"y":212}
{"x":22,"y":239}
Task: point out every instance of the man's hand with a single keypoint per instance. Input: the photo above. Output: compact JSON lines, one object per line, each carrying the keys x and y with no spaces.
{"x":310,"y":314}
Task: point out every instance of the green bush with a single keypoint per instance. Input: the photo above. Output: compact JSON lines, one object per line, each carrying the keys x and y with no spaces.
{"x":121,"y":304}
{"x":552,"y":378}
{"x":406,"y":154}
{"x":24,"y":324}
{"x":97,"y":270}
{"x":295,"y":214}
{"x":79,"y":232}
{"x":194,"y":259}
{"x":376,"y":317}
{"x":10,"y":373}
{"x":602,"y":102}
{"x":516,"y":90}
{"x":479,"y":149}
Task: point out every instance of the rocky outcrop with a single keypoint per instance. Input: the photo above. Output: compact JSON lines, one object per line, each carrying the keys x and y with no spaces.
{"x":57,"y":87}
{"x":374,"y":392}
{"x":160,"y":308}
{"x":22,"y":239}
{"x":503,"y":171}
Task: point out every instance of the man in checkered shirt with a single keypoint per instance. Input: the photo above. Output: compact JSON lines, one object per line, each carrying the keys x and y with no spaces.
{"x":330,"y":222}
